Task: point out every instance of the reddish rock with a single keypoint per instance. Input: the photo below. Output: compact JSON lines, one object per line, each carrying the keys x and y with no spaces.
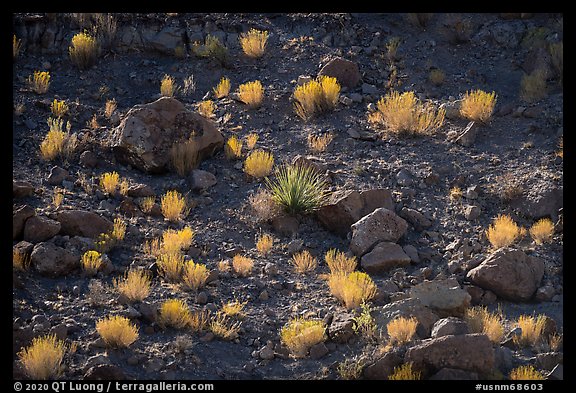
{"x":383,"y":367}
{"x":19,"y":217}
{"x":345,"y":71}
{"x":83,"y":223}
{"x":21,"y":189}
{"x":39,"y":228}
{"x":383,"y":257}
{"x":52,"y":260}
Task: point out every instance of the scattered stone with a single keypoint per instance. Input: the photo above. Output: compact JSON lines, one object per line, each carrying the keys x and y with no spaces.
{"x":60,"y":330}
{"x":21,"y":189}
{"x":444,"y":297}
{"x":472,"y":192}
{"x":541,"y":200}
{"x":345,"y":71}
{"x":89,"y":159}
{"x":267,"y":352}
{"x":56,"y":176}
{"x":83,"y":223}
{"x":40,"y":228}
{"x":148,"y":311}
{"x":201,"y":180}
{"x":412,"y":253}
{"x":303,"y":79}
{"x":341,"y":328}
{"x":271,"y":269}
{"x":414,"y":217}
{"x":105,"y":372}
{"x":140,"y":191}
{"x":545,"y":293}
{"x":549,"y":360}
{"x":285,"y":225}
{"x":384,"y":257}
{"x":54,"y":261}
{"x":295,"y":246}
{"x":449,"y":326}
{"x":557,"y":374}
{"x":383,"y":367}
{"x":368,"y":89}
{"x":318,"y":351}
{"x":382,"y":225}
{"x":472,"y":212}
{"x":468,"y":136}
{"x":202,"y":298}
{"x":19,"y":218}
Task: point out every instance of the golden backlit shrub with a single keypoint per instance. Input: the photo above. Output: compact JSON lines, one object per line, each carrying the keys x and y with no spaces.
{"x":401,"y":330}
{"x":319,"y":143}
{"x":170,"y":265}
{"x":147,"y":203}
{"x":304,"y":262}
{"x":59,"y":108}
{"x":199,"y":320}
{"x":16,"y":46}
{"x":478,"y":105}
{"x":251,"y":140}
{"x":264,"y":244}
{"x":338,"y":262}
{"x":405,"y":373}
{"x":223,"y":327}
{"x":480,"y":320}
{"x":406,"y":114}
{"x":532,"y":328}
{"x":206,"y":108}
{"x":259,"y":163}
{"x":316,"y":96}
{"x":542,"y":231}
{"x":173,"y":206}
{"x":168,"y":86}
{"x":233,"y":148}
{"x":253,"y":43}
{"x":53,"y":144}
{"x":526,"y":373}
{"x":134,"y":285}
{"x":117,"y":331}
{"x":176,"y":240}
{"x":84,"y":50}
{"x":352,"y":289}
{"x":251,"y":93}
{"x":242,"y":265}
{"x":43,"y":358}
{"x":57,"y":198}
{"x":211,"y":48}
{"x":184,"y":156}
{"x":195,"y":275}
{"x":118,"y":229}
{"x":110,"y":108}
{"x":39,"y":82}
{"x":222,"y":89}
{"x":456,"y":193}
{"x":300,"y":334}
{"x":234,"y":308}
{"x":533,"y":86}
{"x":91,"y":262}
{"x":109,"y":181}
{"x":174,"y":313}
{"x":503,"y":232}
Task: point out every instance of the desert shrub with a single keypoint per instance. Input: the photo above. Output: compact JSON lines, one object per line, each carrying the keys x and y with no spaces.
{"x":173,"y":206}
{"x":436,"y":76}
{"x":206,"y":108}
{"x":352,"y":289}
{"x":39,"y":82}
{"x":480,"y":320}
{"x":20,"y":260}
{"x":170,"y":266}
{"x":251,"y":140}
{"x":319,"y":143}
{"x":16,"y":46}
{"x":364,"y":323}
{"x":298,"y":188}
{"x":109,"y":181}
{"x":43,"y":358}
{"x":176,"y":240}
{"x":253,"y":43}
{"x":233,"y":148}
{"x":526,"y":373}
{"x":110,"y":108}
{"x":195,"y":275}
{"x":57,"y":198}
{"x":532,"y":328}
{"x":147,"y":203}
{"x":242,"y":265}
{"x":405,"y":373}
{"x":117,"y":331}
{"x":168,"y":86}
{"x":542,"y":231}
{"x":259,"y":163}
{"x":199,"y":320}
{"x":58,"y":108}
{"x":174,"y":313}
{"x":478,"y":105}
{"x":300,"y":334}
{"x":455,"y":193}
{"x":251,"y":93}
{"x":184,"y":156}
{"x":222,"y":89}
{"x":392,"y":49}
{"x":93,"y":122}
{"x":212,"y":48}
{"x":91,"y":262}
{"x":223,"y":266}
{"x":189,"y":85}
{"x":234,"y":308}
{"x":263,"y":205}
{"x":316,"y":96}
{"x":401,"y":330}
{"x":503,"y":232}
{"x":350,"y":369}
{"x":264,"y":244}
{"x":118,"y":230}
{"x":533,"y":86}
{"x":222,"y":327}
{"x":84,"y":50}
{"x":404,"y":114}
{"x":304,"y":262}
{"x":135,"y":285}
{"x":338,"y":262}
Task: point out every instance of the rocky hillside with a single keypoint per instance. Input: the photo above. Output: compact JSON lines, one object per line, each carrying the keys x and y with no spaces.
{"x":412,"y":210}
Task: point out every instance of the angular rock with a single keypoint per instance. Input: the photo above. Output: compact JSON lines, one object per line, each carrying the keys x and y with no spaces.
{"x":557,"y":374}
{"x":39,"y":228}
{"x":89,"y":159}
{"x":21,"y":189}
{"x":472,"y":212}
{"x":54,"y":261}
{"x":509,"y":273}
{"x":345,"y":71}
{"x":83,"y":223}
{"x":285,"y":225}
{"x":444,"y":297}
{"x":414,"y":217}
{"x":541,"y":200}
{"x":318,"y":351}
{"x":140,"y":191}
{"x":383,"y":257}
{"x":470,"y":352}
{"x":105,"y":372}
{"x":147,"y":133}
{"x":468,"y":136}
{"x":346,"y":208}
{"x":201,"y":180}
{"x":453,"y":374}
{"x":314,"y":163}
{"x":56,"y":176}
{"x":341,"y":329}
{"x":449,"y":326}
{"x":382,"y":225}
{"x":23,"y":248}
{"x":167,"y":39}
{"x":549,"y":360}
{"x":19,"y":217}
{"x":412,"y":252}
{"x":406,"y":308}
{"x":383,"y":367}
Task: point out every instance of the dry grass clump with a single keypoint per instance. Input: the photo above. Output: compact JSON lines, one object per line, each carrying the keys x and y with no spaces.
{"x":199,"y":320}
{"x":16,"y":46}
{"x":253,"y":43}
{"x":251,"y":93}
{"x":109,"y":182}
{"x":233,"y":148}
{"x":174,"y":313}
{"x":118,"y":230}
{"x":503,"y":232}
{"x":300,"y":334}
{"x":222,"y":327}
{"x":263,"y":205}
{"x":318,"y":144}
{"x":135,"y":285}
{"x":259,"y":163}
{"x":117,"y":331}
{"x":405,"y":373}
{"x":39,"y":82}
{"x":91,"y":262}
{"x":59,"y":108}
{"x":350,"y":369}
{"x":176,"y":240}
{"x":173,"y":206}
{"x":168,"y":86}
{"x":404,"y":114}
{"x":20,"y":260}
{"x":212,"y":48}
{"x":206,"y":108}
{"x":84,"y":50}
{"x":401,"y":330}
{"x":242,"y":265}
{"x":43,"y":358}
{"x":184,"y":156}
{"x":170,"y":266}
{"x":316,"y":96}
{"x":251,"y":140}
{"x":110,"y":108}
{"x":338,"y":262}
{"x":478,"y":105}
{"x":526,"y":373}
{"x":455,"y":193}
{"x":352,"y":289}
{"x":147,"y":203}
{"x":222,"y":89}
{"x":57,"y":198}
{"x":532,"y":328}
{"x":304,"y":262}
{"x":542,"y":231}
{"x":106,"y":241}
{"x":195,"y":275}
{"x":533,"y":86}
{"x":480,"y":320}
{"x":264,"y":244}
{"x":234,"y":308}
{"x":57,"y":143}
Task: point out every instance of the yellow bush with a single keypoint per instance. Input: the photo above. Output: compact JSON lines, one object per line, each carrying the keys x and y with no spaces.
{"x":16,"y":46}
{"x":316,"y":96}
{"x":135,"y":285}
{"x":222,"y":89}
{"x":304,"y":262}
{"x":110,"y":108}
{"x":118,"y":230}
{"x":251,"y":93}
{"x":206,"y":108}
{"x":147,"y":203}
{"x":259,"y":163}
{"x":234,"y":308}
{"x":43,"y":358}
{"x":456,"y":193}
{"x":300,"y":334}
{"x":330,"y":92}
{"x":542,"y":231}
{"x":264,"y":244}
{"x":338,"y":262}
{"x":117,"y":331}
{"x":54,"y":144}
{"x":503,"y":232}
{"x":318,"y":144}
{"x":58,"y":108}
{"x":170,"y":265}
{"x":253,"y":43}
{"x":174,"y":313}
{"x":173,"y":206}
{"x":532,"y":328}
{"x":174,"y":241}
{"x":199,"y":320}
{"x":352,"y":289}
{"x":168,"y":86}
{"x":401,"y":330}
{"x":242,"y":265}
{"x":405,"y":373}
{"x":39,"y":81}
{"x":526,"y":373}
{"x":91,"y":262}
{"x":84,"y":50}
{"x":405,"y":114}
{"x":20,"y":260}
{"x":184,"y":156}
{"x":109,"y":182}
{"x":480,"y":320}
{"x":195,"y":275}
{"x":478,"y":105}
{"x":233,"y":148}
{"x":251,"y":140}
{"x":223,"y":328}
{"x":57,"y":198}
{"x":533,"y":86}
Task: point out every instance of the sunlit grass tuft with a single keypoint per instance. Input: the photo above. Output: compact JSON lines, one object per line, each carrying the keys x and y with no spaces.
{"x":352,"y":289}
{"x":39,"y":82}
{"x":526,"y":373}
{"x":304,"y":262}
{"x":233,"y":148}
{"x":222,"y":89}
{"x":478,"y":105}
{"x":264,"y":244}
{"x":259,"y":163}
{"x":134,"y":285}
{"x":195,"y":275}
{"x":401,"y":330}
{"x":242,"y":265}
{"x":91,"y":262}
{"x":43,"y":358}
{"x":84,"y":50}
{"x":174,"y":313}
{"x":300,"y":334}
{"x":173,"y":206}
{"x":251,"y":93}
{"x":542,"y":231}
{"x":253,"y":43}
{"x":206,"y":108}
{"x":503,"y":232}
{"x":405,"y":373}
{"x":338,"y":262}
{"x":117,"y":331}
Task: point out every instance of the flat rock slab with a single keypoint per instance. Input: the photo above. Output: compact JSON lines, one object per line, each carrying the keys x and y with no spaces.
{"x":383,"y":257}
{"x":382,"y":225}
{"x":445,"y":297}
